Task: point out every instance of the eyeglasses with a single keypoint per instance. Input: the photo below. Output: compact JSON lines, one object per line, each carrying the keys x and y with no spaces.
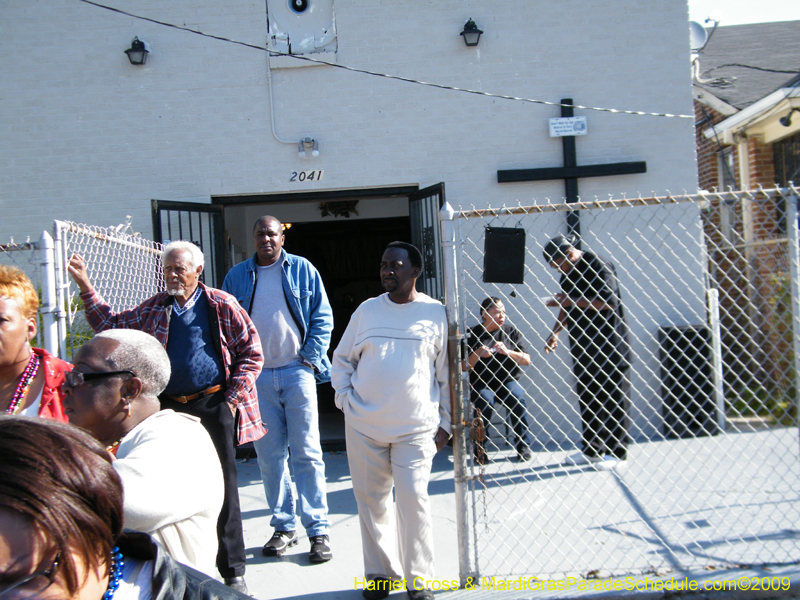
{"x":33,"y":585}
{"x":76,"y":378}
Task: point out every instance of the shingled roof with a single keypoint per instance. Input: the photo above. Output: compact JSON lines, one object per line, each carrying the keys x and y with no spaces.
{"x":764,"y":47}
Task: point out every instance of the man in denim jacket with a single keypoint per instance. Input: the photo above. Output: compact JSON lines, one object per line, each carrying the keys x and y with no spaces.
{"x":286,"y":300}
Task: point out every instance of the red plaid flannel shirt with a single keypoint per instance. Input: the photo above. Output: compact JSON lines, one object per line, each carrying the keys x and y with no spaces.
{"x":241,"y":346}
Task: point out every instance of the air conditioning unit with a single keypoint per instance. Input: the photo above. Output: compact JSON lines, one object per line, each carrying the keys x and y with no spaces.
{"x":687,"y":382}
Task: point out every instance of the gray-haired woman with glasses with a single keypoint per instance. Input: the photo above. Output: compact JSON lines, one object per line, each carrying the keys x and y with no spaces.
{"x":169,"y":467}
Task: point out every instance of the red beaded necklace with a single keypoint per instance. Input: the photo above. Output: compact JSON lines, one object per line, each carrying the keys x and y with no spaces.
{"x":24,"y":383}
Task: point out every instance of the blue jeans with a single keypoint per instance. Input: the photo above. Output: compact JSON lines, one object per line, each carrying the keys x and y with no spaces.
{"x":287,"y":398}
{"x":513,"y":396}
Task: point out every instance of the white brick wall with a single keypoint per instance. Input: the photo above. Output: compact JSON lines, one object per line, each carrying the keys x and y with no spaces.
{"x":88,"y":137}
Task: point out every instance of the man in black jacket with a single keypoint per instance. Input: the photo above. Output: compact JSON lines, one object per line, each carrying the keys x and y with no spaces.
{"x":592,"y":313}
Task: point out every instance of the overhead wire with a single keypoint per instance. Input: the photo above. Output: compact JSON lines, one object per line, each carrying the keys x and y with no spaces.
{"x":386,"y":75}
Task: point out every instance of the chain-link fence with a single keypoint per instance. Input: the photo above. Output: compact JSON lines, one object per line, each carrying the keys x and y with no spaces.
{"x":697,"y":394}
{"x":124,"y":269}
{"x":25,"y":256}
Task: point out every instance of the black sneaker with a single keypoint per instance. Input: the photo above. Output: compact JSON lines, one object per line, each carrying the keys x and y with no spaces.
{"x":279,"y":542}
{"x":377,"y":589}
{"x":524,"y":455}
{"x":238,"y":584}
{"x":420,"y":594}
{"x":320,"y":550}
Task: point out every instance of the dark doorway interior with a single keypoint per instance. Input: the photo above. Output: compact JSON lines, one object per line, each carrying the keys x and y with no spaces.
{"x":347,"y":254}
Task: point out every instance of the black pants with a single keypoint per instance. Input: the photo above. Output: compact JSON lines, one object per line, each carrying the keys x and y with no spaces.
{"x":513,"y":397}
{"x":215,"y":415}
{"x":604,"y":399}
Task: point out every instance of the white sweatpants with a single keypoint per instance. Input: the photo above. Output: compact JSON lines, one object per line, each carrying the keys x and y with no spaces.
{"x":374,"y":467}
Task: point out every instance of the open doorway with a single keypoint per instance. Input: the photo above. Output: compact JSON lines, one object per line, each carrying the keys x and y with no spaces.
{"x":347,"y":255}
{"x":343,"y":233}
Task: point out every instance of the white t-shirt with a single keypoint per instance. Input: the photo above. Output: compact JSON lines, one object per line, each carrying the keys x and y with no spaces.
{"x":32,"y":410}
{"x":137,"y":580}
{"x":280,"y":337}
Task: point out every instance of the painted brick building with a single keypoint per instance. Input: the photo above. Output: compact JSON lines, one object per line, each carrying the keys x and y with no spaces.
{"x":86,"y":134}
{"x":213,"y":131}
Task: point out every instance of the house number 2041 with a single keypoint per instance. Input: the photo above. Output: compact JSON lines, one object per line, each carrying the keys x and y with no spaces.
{"x":306,"y":175}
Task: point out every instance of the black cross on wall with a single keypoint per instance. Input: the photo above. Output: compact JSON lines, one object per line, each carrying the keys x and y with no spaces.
{"x":570,"y":172}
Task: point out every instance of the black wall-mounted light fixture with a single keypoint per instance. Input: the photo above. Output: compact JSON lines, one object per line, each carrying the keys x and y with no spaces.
{"x":137,"y":53}
{"x":471,"y":33}
{"x":787,"y":120}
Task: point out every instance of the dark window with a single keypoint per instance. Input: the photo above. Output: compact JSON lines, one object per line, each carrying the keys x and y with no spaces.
{"x":787,"y":160}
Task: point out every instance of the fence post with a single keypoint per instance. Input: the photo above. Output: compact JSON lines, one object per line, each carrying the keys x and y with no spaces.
{"x":716,"y":362}
{"x":794,"y":275}
{"x":61,"y":286}
{"x":460,"y":475}
{"x":49,"y":306}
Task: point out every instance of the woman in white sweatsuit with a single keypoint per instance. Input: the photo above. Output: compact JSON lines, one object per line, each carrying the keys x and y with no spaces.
{"x":390,"y":373}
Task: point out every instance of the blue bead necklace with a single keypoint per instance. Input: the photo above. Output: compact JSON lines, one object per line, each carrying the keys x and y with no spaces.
{"x":116,"y":573}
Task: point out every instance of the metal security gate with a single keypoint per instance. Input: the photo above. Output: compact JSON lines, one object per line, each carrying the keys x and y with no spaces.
{"x":710,"y":287}
{"x":201,"y":224}
{"x":424,"y":208}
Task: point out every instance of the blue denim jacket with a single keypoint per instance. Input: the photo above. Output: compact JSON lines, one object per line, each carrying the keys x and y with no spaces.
{"x":306,"y":298}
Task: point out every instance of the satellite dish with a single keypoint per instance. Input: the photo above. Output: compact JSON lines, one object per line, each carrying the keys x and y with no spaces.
{"x":697,"y":36}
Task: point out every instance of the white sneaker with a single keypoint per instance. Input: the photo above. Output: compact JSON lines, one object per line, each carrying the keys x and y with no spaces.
{"x":609,"y":463}
{"x":579,"y":458}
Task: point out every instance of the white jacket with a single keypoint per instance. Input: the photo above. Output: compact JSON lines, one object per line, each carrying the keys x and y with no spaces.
{"x":173,"y":486}
{"x":390,"y":369}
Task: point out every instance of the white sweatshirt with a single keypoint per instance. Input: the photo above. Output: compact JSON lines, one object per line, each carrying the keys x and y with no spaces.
{"x":390,"y":369}
{"x":173,"y":487}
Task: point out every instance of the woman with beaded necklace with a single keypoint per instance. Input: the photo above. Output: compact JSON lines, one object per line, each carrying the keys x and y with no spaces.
{"x":61,"y":525}
{"x":30,"y":378}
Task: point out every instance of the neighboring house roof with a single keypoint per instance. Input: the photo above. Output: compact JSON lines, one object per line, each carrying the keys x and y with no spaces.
{"x":769,"y":47}
{"x":762,"y":118}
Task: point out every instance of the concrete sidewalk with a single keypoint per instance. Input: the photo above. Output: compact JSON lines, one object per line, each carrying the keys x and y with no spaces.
{"x":292,"y":576}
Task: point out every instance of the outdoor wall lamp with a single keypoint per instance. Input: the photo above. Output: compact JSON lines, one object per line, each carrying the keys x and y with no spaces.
{"x":471,"y":33}
{"x":307,"y":143}
{"x":787,"y":120}
{"x":137,"y":53}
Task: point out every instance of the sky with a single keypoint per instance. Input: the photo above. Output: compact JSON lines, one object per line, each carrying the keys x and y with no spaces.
{"x":739,"y":12}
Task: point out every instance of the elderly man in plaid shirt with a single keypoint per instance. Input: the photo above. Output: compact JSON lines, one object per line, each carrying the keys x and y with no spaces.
{"x":216,"y":356}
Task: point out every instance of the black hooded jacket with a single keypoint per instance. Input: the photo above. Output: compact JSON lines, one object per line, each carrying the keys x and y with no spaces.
{"x":171,"y":579}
